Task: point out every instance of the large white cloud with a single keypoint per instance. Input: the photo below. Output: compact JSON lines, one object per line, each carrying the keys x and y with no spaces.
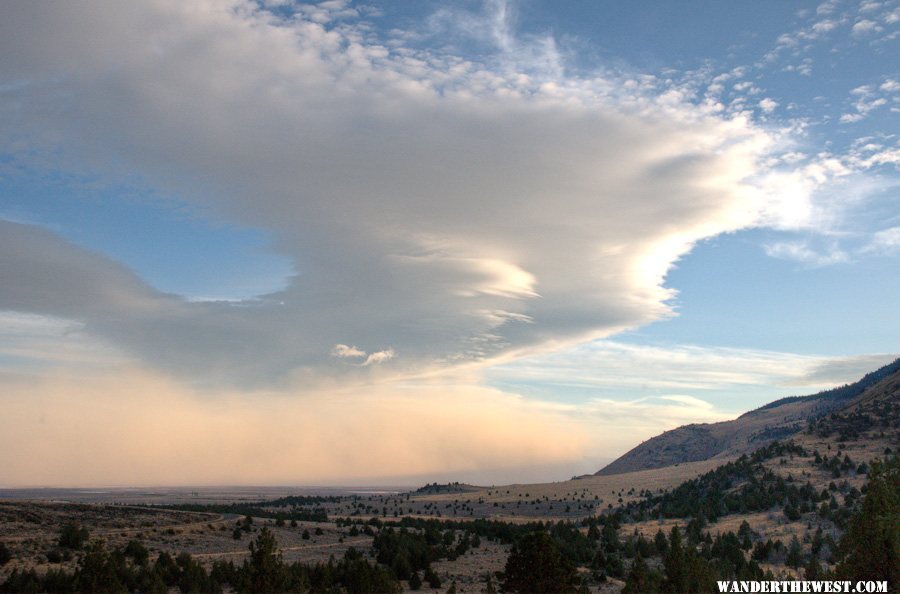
{"x":447,"y":212}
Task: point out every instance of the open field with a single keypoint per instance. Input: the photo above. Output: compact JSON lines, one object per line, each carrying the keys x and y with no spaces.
{"x":184,"y":494}
{"x":31,"y":530}
{"x":32,"y":519}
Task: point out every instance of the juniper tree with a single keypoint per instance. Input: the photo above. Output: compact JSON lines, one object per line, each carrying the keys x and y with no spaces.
{"x":535,"y":565}
{"x":869,"y":548}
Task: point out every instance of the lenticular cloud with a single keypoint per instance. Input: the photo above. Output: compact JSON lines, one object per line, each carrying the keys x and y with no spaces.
{"x":440,"y":210}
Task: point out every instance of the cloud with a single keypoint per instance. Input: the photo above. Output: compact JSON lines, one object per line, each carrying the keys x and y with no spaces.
{"x":865,"y":104}
{"x":800,"y":251}
{"x":493,"y":26}
{"x":379,"y":357}
{"x":827,"y":7}
{"x":33,"y":343}
{"x":864,"y":27}
{"x":801,"y":39}
{"x":463,"y":211}
{"x":647,"y":417}
{"x":343,"y":351}
{"x":822,"y":27}
{"x":688,"y":401}
{"x":768,"y":105}
{"x":851,"y":118}
{"x":869,"y":6}
{"x":865,"y":20}
{"x":324,"y":12}
{"x":832,"y":195}
{"x":351,"y":352}
{"x":869,"y":98}
{"x":843,"y":370}
{"x":616,"y":368}
{"x":886,"y":241}
{"x":53,"y":277}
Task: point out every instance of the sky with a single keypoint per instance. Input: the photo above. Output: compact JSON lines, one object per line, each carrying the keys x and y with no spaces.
{"x":275,"y":242}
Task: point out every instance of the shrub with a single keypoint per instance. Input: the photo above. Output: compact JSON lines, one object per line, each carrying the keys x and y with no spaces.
{"x":5,"y":555}
{"x":73,"y":536}
{"x":137,"y":551}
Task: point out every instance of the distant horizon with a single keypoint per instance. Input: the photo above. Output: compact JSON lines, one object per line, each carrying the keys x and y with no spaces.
{"x":409,"y":482}
{"x":281,"y":242}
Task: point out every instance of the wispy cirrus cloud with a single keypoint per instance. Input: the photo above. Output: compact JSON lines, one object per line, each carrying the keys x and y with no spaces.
{"x":886,"y":241}
{"x":617,"y":369}
{"x":800,"y":251}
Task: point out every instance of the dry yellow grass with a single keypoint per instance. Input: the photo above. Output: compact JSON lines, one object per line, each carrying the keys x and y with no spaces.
{"x":607,"y":489}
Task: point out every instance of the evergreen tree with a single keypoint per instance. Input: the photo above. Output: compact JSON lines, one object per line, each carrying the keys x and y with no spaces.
{"x":265,"y":568}
{"x":97,"y":573}
{"x":191,"y":575}
{"x":795,"y":554}
{"x":674,"y":563}
{"x":813,"y":570}
{"x":700,"y":576}
{"x":610,"y":537}
{"x":535,"y":566}
{"x":791,"y":512}
{"x":686,"y":571}
{"x":415,"y":582}
{"x":661,"y":542}
{"x":639,"y":580}
{"x":869,"y":548}
{"x":432,"y":578}
{"x":744,"y":533}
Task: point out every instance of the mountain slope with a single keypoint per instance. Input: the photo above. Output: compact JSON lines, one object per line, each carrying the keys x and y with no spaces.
{"x":750,"y":431}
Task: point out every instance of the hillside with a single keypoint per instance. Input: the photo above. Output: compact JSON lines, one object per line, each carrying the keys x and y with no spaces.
{"x":777,"y":420}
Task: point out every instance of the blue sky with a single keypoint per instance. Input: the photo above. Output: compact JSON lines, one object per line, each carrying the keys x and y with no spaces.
{"x":586,"y":214}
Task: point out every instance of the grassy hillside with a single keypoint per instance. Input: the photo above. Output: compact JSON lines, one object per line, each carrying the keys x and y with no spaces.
{"x":778,"y":420}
